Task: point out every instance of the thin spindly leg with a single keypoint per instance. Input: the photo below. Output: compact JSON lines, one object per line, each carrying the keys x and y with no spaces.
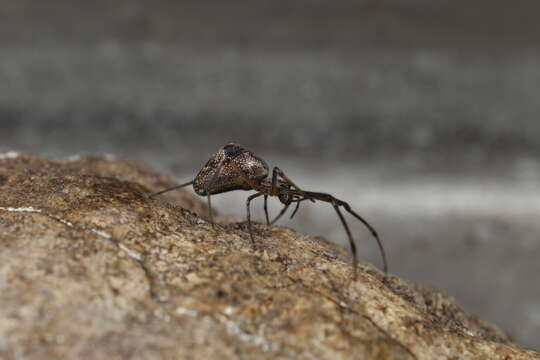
{"x":274,"y":180}
{"x":171,"y":189}
{"x":285,"y":209}
{"x":372,"y":230}
{"x":351,"y":241}
{"x":295,"y":209}
{"x":210,"y":212}
{"x":280,"y":214}
{"x":278,"y":172}
{"x":257,"y":186}
{"x":248,"y":201}
{"x":266,"y":209}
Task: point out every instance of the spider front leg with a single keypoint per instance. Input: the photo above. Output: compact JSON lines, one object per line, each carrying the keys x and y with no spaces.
{"x":278,"y":172}
{"x":275,"y":191}
{"x":248,"y":203}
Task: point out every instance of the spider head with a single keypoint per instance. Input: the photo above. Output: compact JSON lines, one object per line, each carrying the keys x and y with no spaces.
{"x":229,"y":169}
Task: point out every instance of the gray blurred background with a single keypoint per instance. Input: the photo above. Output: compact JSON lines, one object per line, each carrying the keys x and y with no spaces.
{"x":423,"y":114}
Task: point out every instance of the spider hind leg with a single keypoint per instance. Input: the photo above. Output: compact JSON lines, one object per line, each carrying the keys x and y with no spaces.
{"x":337,"y":203}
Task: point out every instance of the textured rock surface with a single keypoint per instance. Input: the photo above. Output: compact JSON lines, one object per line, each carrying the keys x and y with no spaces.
{"x":90,"y":268}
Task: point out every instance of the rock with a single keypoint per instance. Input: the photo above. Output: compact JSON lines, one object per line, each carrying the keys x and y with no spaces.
{"x":91,"y":268}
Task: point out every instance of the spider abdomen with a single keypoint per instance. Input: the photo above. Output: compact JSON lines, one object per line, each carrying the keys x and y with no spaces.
{"x":231,"y":168}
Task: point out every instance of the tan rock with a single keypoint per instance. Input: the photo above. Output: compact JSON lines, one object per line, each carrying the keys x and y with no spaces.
{"x":91,"y":268}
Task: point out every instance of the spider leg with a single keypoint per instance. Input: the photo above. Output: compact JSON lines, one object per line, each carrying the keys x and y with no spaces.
{"x":274,"y":179}
{"x":371,"y":229}
{"x":262,"y":190}
{"x":349,"y":235}
{"x":295,"y":209}
{"x":280,"y":214}
{"x":210,"y":212}
{"x":248,"y":201}
{"x":286,"y":207}
{"x":278,"y":172}
{"x":170,"y":189}
{"x":266,"y":209}
{"x":337,"y":202}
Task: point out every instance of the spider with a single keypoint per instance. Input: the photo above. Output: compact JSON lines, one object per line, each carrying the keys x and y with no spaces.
{"x":233,"y":167}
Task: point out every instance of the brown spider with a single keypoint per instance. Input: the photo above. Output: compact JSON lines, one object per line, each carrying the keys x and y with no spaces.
{"x":235,"y":168}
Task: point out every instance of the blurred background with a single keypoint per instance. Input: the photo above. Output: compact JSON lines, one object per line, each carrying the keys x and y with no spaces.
{"x":423,"y":114}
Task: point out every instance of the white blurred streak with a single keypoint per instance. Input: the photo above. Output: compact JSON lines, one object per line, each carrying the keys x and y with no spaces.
{"x":440,"y":198}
